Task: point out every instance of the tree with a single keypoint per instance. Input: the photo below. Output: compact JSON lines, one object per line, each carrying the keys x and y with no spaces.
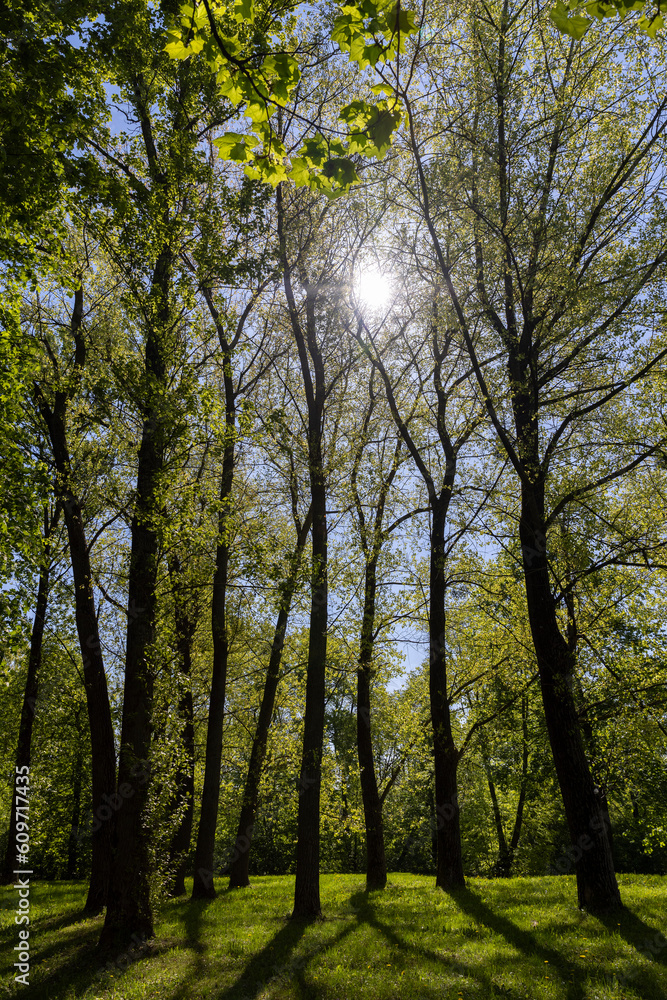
{"x":452,"y":411}
{"x":24,"y":746}
{"x":556,"y":274}
{"x":572,"y":18}
{"x":238,"y":869}
{"x":235,"y":385}
{"x":373,"y":535}
{"x":147,"y":245}
{"x":256,"y":55}
{"x":185,"y":621}
{"x":54,"y":393}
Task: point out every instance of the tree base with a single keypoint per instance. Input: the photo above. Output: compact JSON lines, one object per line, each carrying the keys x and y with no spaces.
{"x":202,"y":885}
{"x":305,"y":911}
{"x":449,"y":884}
{"x":95,"y":901}
{"x":238,"y":883}
{"x":119,"y":941}
{"x":607,"y":900}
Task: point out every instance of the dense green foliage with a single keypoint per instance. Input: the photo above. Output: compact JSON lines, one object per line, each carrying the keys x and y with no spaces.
{"x":411,"y":256}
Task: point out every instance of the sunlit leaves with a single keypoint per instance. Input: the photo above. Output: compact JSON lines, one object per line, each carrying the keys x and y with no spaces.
{"x":371,"y":126}
{"x":233,"y":146}
{"x":372,"y":32}
{"x":259,"y":83}
{"x":570,"y":24}
{"x":574,"y":19}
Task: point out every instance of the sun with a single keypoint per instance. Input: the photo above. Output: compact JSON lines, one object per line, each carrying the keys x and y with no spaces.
{"x":373,"y":290}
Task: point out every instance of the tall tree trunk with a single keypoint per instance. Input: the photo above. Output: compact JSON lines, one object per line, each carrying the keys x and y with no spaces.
{"x":587,"y":823}
{"x":203,"y":887}
{"x":503,"y":862}
{"x":77,"y":780}
{"x":596,"y":880}
{"x":24,"y":746}
{"x":129,"y":909}
{"x":239,"y":865}
{"x":518,"y":819}
{"x":376,"y":865}
{"x":185,"y":777}
{"x":506,"y":852}
{"x":307,"y":884}
{"x":449,"y":873}
{"x":103,"y":750}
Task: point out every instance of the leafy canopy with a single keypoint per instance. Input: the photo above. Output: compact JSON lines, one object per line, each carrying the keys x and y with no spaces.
{"x":574,"y":18}
{"x":244,"y":42}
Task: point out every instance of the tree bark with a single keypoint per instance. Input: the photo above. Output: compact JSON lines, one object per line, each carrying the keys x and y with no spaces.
{"x":307,"y":884}
{"x":103,"y":750}
{"x":376,"y":865}
{"x":239,"y":865}
{"x":30,"y":693}
{"x":506,"y":852}
{"x":77,"y":779}
{"x":185,"y":777}
{"x":203,"y":886}
{"x":588,"y":825}
{"x":503,"y":862}
{"x":449,"y":873}
{"x":518,"y":819}
{"x":129,"y":913}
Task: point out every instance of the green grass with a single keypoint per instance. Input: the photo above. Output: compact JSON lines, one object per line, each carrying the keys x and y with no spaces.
{"x":517,"y":938}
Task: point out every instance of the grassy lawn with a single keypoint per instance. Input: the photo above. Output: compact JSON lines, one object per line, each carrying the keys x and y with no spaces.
{"x":517,"y":938}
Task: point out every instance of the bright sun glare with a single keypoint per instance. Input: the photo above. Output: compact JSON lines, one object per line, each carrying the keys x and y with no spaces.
{"x":373,"y":289}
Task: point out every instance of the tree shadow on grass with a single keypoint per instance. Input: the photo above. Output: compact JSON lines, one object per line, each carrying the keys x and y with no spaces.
{"x":72,"y":914}
{"x":524,"y":942}
{"x":85,"y":968}
{"x":649,"y":941}
{"x":45,"y":924}
{"x":276,"y":962}
{"x":366,"y":913}
{"x":258,"y":969}
{"x":190,"y":914}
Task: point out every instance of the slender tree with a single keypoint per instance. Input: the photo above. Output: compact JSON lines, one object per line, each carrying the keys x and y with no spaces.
{"x":304,"y":329}
{"x":238,"y":869}
{"x":553,"y":290}
{"x":185,"y":622}
{"x":373,"y":534}
{"x":31,"y":691}
{"x":453,"y":430}
{"x":53,"y":407}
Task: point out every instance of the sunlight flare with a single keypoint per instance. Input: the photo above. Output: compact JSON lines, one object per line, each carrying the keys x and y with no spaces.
{"x":373,"y":290}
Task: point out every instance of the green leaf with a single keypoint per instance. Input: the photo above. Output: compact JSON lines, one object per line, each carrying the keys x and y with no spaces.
{"x":299,"y":171}
{"x":243,"y":10}
{"x":235,"y":147}
{"x":341,"y":170}
{"x":651,"y":24}
{"x":314,"y":151}
{"x":175,"y":48}
{"x":574,"y":25}
{"x":258,"y":112}
{"x":383,"y":88}
{"x":230,"y":86}
{"x":264,"y":169}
